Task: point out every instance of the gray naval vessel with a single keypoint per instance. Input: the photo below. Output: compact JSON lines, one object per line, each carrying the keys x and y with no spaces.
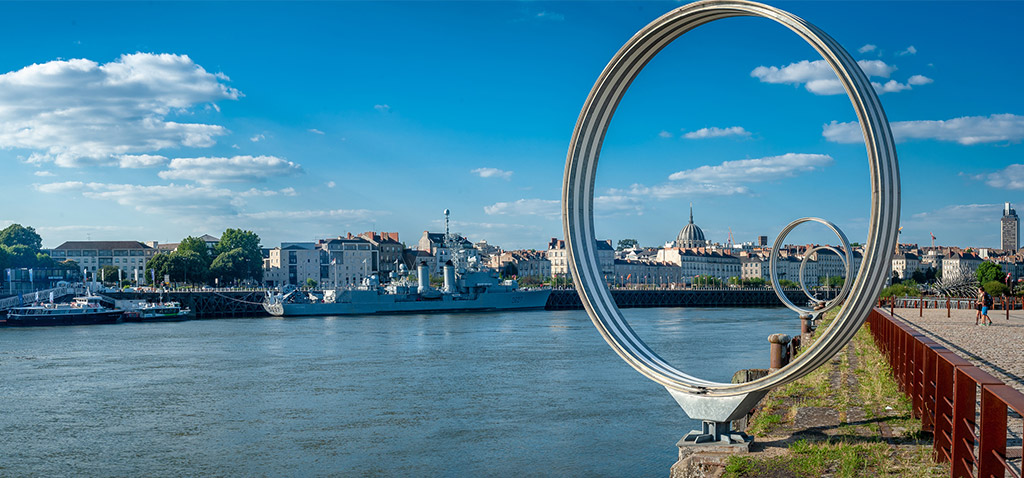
{"x":467,"y":287}
{"x":471,"y":290}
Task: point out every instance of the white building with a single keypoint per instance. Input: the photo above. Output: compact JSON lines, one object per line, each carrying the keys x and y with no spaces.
{"x":559,"y":257}
{"x":629,"y":272}
{"x":701,"y":262}
{"x":293,"y":263}
{"x":960,"y":266}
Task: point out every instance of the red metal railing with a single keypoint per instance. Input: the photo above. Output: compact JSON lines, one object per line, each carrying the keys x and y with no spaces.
{"x":944,"y":389}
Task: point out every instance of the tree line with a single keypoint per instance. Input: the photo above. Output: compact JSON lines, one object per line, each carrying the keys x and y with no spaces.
{"x":237,"y":258}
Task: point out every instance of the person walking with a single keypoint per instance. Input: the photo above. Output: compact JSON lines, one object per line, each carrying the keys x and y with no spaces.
{"x":985,"y":301}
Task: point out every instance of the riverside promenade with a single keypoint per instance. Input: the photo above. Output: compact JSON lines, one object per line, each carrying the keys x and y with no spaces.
{"x":998,"y":349}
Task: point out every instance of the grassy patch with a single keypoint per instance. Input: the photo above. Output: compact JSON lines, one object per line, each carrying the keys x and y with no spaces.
{"x":814,"y":459}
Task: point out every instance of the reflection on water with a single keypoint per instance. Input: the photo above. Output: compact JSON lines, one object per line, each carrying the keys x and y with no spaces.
{"x":505,"y":394}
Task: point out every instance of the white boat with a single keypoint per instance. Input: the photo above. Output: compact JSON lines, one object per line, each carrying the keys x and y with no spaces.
{"x":83,"y":311}
{"x":157,"y":312}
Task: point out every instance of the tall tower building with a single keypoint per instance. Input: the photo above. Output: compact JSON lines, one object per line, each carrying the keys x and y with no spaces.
{"x":1010,"y":229}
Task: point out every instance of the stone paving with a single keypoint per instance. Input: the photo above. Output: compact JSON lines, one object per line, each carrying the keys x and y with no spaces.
{"x":998,"y":349}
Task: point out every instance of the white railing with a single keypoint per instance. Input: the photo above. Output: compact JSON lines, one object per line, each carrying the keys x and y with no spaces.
{"x":38,"y":296}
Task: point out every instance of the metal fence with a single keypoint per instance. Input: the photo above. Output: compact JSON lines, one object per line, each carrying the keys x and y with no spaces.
{"x":944,"y":389}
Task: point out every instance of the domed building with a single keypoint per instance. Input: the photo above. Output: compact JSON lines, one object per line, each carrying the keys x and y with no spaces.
{"x":691,"y":236}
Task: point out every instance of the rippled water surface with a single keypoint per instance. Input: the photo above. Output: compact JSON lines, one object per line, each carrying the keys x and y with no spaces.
{"x":504,"y":394}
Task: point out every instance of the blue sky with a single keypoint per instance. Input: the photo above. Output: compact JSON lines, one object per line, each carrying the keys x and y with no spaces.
{"x":155,"y":121}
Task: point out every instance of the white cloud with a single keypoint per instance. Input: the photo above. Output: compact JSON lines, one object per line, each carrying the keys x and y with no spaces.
{"x":170,"y":199}
{"x":909,"y":51}
{"x":818,"y":78}
{"x":267,"y":192}
{"x":965,"y":130}
{"x":671,"y":190}
{"x":525,"y":207}
{"x":331,"y":184}
{"x":44,"y":174}
{"x":315,"y":131}
{"x":729,"y":177}
{"x":891,"y":86}
{"x":715,"y":132}
{"x":665,"y":134}
{"x":617,"y":202}
{"x":919,"y":80}
{"x":134,"y":161}
{"x":382,"y":108}
{"x":1010,"y":177}
{"x":234,"y":169}
{"x":755,"y":170}
{"x":347,"y":214}
{"x":958,"y":214}
{"x":257,"y":138}
{"x":492,"y":173}
{"x":550,"y":16}
{"x":79,"y":112}
{"x":867,"y":48}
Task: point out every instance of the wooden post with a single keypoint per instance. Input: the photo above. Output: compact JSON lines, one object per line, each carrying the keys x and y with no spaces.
{"x":947,"y":309}
{"x":920,"y":306}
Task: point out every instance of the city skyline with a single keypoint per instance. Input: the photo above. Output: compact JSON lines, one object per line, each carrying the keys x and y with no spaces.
{"x":312,"y":120}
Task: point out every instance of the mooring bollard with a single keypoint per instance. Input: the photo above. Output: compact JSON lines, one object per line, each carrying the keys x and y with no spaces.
{"x":778,"y":350}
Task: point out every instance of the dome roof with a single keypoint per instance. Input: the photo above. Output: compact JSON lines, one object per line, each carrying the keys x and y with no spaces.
{"x":691,"y":235}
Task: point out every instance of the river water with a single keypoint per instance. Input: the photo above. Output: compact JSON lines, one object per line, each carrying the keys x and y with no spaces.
{"x":502,"y":394}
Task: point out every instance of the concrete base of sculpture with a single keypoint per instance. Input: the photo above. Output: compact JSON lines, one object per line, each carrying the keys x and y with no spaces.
{"x":704,"y":459}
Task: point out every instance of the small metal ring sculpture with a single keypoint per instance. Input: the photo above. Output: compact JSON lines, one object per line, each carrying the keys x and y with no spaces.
{"x":773,"y":265}
{"x":803,"y":264}
{"x":702,"y":399}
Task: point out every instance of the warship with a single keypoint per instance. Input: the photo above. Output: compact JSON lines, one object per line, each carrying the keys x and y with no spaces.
{"x":467,"y":287}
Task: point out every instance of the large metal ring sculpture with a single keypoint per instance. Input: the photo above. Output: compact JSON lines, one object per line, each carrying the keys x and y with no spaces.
{"x":703,"y":399}
{"x":774,"y":268}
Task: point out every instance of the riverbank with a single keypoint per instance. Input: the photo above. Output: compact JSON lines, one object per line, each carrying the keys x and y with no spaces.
{"x":848,"y":418}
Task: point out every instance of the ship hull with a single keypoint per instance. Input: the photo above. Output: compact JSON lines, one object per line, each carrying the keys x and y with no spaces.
{"x":376,"y":304}
{"x":15,"y":320}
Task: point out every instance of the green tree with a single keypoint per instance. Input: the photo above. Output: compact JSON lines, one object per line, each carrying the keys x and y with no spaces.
{"x":509,"y":270}
{"x":626,"y":244}
{"x":754,"y":282}
{"x":20,"y":255}
{"x":900,"y":290}
{"x":249,"y":243}
{"x":996,"y":288}
{"x":788,"y":284}
{"x":187,"y":266}
{"x":157,"y":266}
{"x":834,"y":281}
{"x":44,"y":260}
{"x":5,"y":260}
{"x":988,"y":272}
{"x":919,"y":277}
{"x":229,"y":267}
{"x":108,"y":274}
{"x":69,"y":265}
{"x":16,"y":234}
{"x":310,"y":282}
{"x":198,"y":246}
